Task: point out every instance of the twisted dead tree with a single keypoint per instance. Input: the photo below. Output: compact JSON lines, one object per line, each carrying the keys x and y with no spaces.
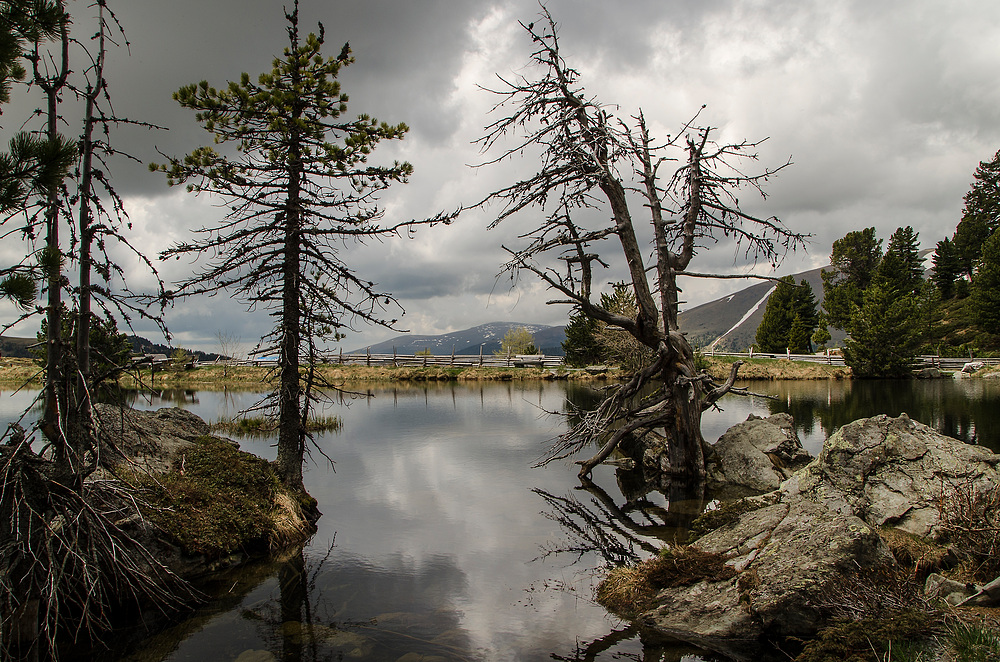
{"x":594,"y":165}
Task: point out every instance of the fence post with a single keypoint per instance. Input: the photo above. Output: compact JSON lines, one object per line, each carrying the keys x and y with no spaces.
{"x":394,"y":357}
{"x":480,"y":356}
{"x":452,"y":356}
{"x":368,"y":357}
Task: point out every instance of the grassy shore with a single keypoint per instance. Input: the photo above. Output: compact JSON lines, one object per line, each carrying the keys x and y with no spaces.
{"x":17,"y":372}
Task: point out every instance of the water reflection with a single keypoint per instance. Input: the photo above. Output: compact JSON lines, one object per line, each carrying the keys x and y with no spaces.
{"x":448,"y":544}
{"x":966,"y":409}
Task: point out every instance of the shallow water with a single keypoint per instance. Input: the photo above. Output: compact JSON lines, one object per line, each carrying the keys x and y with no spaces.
{"x":440,"y":542}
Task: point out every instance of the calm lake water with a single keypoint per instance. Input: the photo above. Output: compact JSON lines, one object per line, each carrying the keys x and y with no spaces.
{"x":438,"y":540}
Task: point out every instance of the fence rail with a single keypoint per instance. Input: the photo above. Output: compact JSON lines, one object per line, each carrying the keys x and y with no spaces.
{"x":543,"y":361}
{"x":925,"y":361}
{"x":431,"y":360}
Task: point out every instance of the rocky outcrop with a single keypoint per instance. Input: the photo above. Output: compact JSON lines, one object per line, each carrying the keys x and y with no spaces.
{"x":211,"y":523}
{"x":796,"y":546}
{"x":755,"y":456}
{"x":152,"y":439}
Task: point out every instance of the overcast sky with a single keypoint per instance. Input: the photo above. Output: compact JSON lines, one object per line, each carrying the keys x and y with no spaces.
{"x":885,"y":109}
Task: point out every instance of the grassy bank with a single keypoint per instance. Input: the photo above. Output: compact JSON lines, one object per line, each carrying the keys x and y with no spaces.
{"x":720,"y":366}
{"x":206,"y":377}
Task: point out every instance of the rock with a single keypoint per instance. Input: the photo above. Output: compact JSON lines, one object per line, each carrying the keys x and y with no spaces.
{"x":892,"y":470}
{"x":928,"y":373}
{"x":149,"y":438}
{"x":973,"y":366}
{"x":952,"y":592}
{"x":796,"y":546}
{"x":755,"y":456}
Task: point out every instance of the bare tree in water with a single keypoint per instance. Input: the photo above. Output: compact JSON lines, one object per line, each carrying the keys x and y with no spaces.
{"x":595,"y":165}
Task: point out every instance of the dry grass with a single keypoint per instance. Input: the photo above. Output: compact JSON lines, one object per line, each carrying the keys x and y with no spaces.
{"x":772,"y":369}
{"x":628,"y":591}
{"x":16,"y":372}
{"x":920,"y":556}
{"x":970,"y":522}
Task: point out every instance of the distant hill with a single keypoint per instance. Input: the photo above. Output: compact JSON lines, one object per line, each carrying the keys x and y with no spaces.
{"x":141,"y":345}
{"x":488,"y":336}
{"x":729,"y":322}
{"x":17,"y":347}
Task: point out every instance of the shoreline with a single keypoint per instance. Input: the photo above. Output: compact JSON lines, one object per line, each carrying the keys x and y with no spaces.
{"x":17,"y":372}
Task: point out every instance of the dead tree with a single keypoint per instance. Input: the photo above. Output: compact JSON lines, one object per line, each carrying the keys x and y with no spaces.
{"x":595,"y":165}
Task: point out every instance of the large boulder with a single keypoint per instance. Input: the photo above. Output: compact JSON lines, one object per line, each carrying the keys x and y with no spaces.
{"x":151,"y":439}
{"x":796,"y":546}
{"x":755,"y":456}
{"x":894,"y":471}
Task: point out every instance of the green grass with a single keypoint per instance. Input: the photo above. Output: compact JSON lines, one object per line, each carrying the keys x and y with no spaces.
{"x":219,"y":500}
{"x":259,"y":426}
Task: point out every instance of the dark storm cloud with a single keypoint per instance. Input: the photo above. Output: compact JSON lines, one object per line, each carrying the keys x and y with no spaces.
{"x":884,"y":108}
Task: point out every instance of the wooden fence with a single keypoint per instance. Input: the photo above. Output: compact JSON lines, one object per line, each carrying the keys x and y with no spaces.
{"x":543,"y":361}
{"x":832,"y":358}
{"x":429,"y":360}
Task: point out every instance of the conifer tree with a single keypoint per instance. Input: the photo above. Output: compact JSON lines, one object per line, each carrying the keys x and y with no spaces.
{"x":901,"y":266}
{"x":946,"y":268}
{"x":884,"y":333}
{"x":985,"y":293}
{"x":581,"y":347}
{"x":980,"y":216}
{"x":789,"y":318}
{"x":299,"y":186}
{"x":855,"y":257}
{"x":685,"y":185}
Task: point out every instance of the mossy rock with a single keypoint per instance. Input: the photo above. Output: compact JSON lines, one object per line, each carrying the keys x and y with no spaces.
{"x":217,"y":499}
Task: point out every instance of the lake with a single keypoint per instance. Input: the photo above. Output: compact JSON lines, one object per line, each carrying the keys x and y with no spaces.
{"x":438,"y":540}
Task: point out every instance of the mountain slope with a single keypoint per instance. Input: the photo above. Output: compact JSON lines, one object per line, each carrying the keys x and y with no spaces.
{"x":468,"y":341}
{"x":731,"y":322}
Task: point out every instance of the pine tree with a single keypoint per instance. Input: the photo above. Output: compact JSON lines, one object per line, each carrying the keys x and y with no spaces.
{"x":980,"y":216}
{"x":985,"y":293}
{"x":884,"y":334}
{"x":946,"y":268}
{"x":822,"y":335}
{"x":299,"y":187}
{"x":904,"y":268}
{"x":789,"y":318}
{"x":581,"y":347}
{"x":855,"y":258}
{"x":772,"y":334}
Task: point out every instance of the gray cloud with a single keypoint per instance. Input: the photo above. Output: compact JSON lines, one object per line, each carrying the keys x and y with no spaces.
{"x":884,"y":108}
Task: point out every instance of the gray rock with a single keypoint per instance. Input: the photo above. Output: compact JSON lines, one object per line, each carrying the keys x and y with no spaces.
{"x":939,"y":586}
{"x":893,"y":470}
{"x":928,"y":373}
{"x":795,"y":546}
{"x":150,"y":438}
{"x":755,"y":456}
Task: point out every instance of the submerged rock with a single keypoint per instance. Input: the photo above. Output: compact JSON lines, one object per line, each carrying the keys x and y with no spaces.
{"x":799,"y":545}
